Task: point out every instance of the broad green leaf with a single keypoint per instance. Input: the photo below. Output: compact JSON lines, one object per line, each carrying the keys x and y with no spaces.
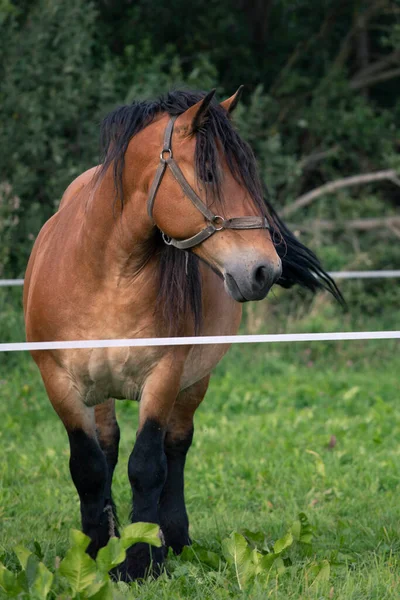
{"x":301,"y":530}
{"x":111,"y":555}
{"x":105,"y":592}
{"x":256,"y":558}
{"x":148,"y":533}
{"x":38,"y":550}
{"x":79,"y":569}
{"x":295,"y":530}
{"x":78,"y":539}
{"x":319,"y":572}
{"x":195,"y":552}
{"x":279,"y":565}
{"x":256,"y":539}
{"x":283,"y":543}
{"x":238,"y":553}
{"x":22,"y":554}
{"x":9,"y":582}
{"x":306,"y":533}
{"x":42,"y":584}
{"x":267,"y":561}
{"x":31,"y":570}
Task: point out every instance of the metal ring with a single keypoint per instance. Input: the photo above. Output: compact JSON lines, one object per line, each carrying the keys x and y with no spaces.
{"x":221,"y":220}
{"x":167,"y":240}
{"x":163,"y":152}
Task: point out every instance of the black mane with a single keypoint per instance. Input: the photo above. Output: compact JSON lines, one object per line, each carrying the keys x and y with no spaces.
{"x":180,"y":286}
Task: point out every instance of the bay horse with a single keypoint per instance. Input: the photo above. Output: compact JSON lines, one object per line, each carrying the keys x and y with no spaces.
{"x":168,"y":236}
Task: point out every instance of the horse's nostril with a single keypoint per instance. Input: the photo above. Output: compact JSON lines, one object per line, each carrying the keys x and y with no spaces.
{"x":260,"y":276}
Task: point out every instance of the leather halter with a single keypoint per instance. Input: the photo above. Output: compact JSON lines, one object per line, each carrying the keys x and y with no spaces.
{"x":214,"y":222}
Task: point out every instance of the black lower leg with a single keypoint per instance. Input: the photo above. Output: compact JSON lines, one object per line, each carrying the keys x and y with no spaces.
{"x":147,"y":470}
{"x":110,"y":449}
{"x":173,"y":516}
{"x":89,"y":473}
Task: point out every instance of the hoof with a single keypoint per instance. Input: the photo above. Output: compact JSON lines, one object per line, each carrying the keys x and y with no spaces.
{"x":176,"y":538}
{"x":141,"y":561}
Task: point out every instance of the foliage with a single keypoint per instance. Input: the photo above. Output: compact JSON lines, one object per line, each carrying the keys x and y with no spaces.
{"x":77,"y":573}
{"x":248,"y":556}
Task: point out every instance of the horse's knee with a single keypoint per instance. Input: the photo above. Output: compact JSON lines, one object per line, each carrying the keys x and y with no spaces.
{"x":178,"y":447}
{"x":147,"y":467}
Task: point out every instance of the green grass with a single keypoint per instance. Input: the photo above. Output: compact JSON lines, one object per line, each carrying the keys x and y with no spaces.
{"x":284,"y":429}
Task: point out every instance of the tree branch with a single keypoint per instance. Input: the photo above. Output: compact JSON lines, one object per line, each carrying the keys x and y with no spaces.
{"x":307,"y":162}
{"x":377,"y":66}
{"x":353,"y":224}
{"x":333,"y":186}
{"x":363,"y":83}
{"x":303,"y":46}
{"x":360,"y":21}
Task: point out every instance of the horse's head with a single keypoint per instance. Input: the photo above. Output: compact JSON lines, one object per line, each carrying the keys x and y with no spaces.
{"x":206,"y":198}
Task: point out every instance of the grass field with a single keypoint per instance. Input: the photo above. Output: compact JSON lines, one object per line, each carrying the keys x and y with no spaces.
{"x":284,"y":429}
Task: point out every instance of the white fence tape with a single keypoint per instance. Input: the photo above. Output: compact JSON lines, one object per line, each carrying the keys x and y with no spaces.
{"x":364,"y":274}
{"x":11,"y":282}
{"x":334,"y":274}
{"x":203,"y":340}
{"x":219,"y":339}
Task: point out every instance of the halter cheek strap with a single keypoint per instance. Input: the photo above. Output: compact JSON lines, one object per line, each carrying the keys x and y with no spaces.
{"x":214,"y":222}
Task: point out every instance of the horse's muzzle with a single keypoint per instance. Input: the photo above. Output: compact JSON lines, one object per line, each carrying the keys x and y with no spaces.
{"x":254,"y":283}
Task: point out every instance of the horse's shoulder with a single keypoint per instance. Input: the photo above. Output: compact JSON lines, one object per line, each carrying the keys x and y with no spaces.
{"x":77,"y":185}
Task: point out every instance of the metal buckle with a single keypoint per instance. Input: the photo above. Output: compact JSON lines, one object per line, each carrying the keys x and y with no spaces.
{"x":218,"y":220}
{"x":163,"y":152}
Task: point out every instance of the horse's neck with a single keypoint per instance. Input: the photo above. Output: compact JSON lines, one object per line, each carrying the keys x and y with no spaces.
{"x":118,"y":237}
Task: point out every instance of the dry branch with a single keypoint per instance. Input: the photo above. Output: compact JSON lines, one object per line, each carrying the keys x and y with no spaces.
{"x":333,"y":186}
{"x":358,"y":84}
{"x":308,"y":162}
{"x":377,"y":66}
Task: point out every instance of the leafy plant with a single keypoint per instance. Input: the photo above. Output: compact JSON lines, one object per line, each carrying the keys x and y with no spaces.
{"x":251,"y":556}
{"x":78,"y":573}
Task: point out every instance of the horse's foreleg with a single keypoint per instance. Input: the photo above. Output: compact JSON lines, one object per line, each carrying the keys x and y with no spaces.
{"x":147,"y":468}
{"x":88,"y":469}
{"x":108,"y":435}
{"x":87,"y":463}
{"x":173,"y":516}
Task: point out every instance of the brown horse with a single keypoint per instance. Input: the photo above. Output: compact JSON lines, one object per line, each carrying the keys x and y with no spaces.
{"x":146,"y":245}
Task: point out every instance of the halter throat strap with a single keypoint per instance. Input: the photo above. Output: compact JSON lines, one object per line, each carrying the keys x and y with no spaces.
{"x":214,"y":222}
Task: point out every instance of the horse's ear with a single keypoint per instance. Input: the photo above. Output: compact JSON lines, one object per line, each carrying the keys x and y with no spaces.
{"x":196,"y":114}
{"x":231,"y":103}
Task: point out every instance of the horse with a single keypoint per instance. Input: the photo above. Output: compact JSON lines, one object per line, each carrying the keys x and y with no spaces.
{"x":169,"y":235}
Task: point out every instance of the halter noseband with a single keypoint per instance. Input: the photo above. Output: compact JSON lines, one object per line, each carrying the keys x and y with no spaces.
{"x":214,"y":222}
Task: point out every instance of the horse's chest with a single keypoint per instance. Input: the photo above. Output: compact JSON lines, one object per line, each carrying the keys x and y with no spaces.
{"x":123,"y":372}
{"x":113,"y":372}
